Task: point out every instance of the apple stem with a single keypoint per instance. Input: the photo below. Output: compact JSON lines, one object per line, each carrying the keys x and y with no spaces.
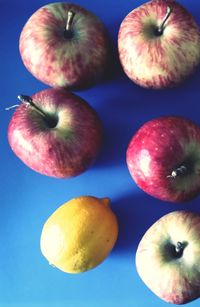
{"x":29,"y":101}
{"x":179,"y":247}
{"x":50,"y":120}
{"x":68,"y":31}
{"x":161,"y":27}
{"x":182,"y":170}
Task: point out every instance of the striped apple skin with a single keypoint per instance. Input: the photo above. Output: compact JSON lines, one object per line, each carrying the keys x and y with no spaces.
{"x":159,"y":147}
{"x":174,"y":280}
{"x":59,"y":61}
{"x":159,"y":61}
{"x":63,"y":151}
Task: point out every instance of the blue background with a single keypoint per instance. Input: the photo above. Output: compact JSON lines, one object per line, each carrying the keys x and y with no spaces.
{"x":28,"y":198}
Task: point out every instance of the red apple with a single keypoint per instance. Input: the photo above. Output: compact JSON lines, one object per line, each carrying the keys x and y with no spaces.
{"x":159,"y":44}
{"x":163,"y":158}
{"x":64,"y":45}
{"x":168,"y":257}
{"x":55,"y":133}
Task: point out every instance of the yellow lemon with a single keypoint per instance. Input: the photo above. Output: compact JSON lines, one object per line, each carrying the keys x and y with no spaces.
{"x":80,"y":234}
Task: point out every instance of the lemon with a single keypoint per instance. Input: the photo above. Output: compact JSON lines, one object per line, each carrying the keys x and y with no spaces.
{"x":80,"y":234}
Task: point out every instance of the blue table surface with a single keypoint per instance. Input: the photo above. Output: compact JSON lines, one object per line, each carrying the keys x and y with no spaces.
{"x":28,"y":198}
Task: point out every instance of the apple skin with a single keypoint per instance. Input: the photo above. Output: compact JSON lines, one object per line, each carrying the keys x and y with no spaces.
{"x":172,"y":276}
{"x":162,"y":61}
{"x":65,"y":149}
{"x":75,"y":62}
{"x":160,"y":147}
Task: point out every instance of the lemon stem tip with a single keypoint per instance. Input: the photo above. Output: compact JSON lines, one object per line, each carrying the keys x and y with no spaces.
{"x":106,"y":201}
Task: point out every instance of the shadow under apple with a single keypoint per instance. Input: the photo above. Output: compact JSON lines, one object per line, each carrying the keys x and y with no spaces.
{"x":126,"y":107}
{"x":137,"y":212}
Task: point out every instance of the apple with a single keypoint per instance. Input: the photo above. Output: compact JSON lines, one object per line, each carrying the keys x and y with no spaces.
{"x":64,"y":45}
{"x":163,"y":157}
{"x":55,"y":133}
{"x":159,"y":44}
{"x":168,"y":257}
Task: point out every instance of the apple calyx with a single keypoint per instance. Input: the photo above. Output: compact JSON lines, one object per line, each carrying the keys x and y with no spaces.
{"x":179,"y":248}
{"x":51,"y":121}
{"x":160,"y":29}
{"x":179,"y":171}
{"x":68,"y":33}
{"x":175,"y":251}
